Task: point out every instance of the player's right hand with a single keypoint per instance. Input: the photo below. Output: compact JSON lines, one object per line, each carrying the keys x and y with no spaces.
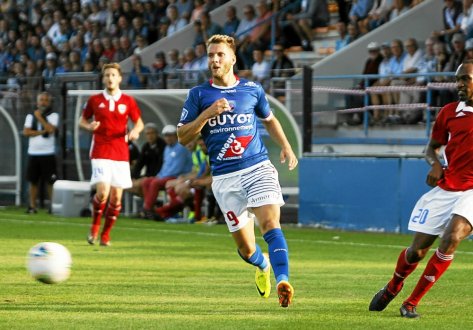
{"x":219,"y":106}
{"x":435,"y":174}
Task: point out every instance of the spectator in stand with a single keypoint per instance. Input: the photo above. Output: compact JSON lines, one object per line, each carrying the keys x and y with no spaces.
{"x":177,"y":161}
{"x":353,"y":32}
{"x":190,"y":65}
{"x":371,"y":67}
{"x":139,"y":29}
{"x":377,"y":16}
{"x":384,"y":70}
{"x":312,"y":14}
{"x":246,"y":24}
{"x":231,"y":24}
{"x":95,"y":52}
{"x":466,"y":25}
{"x":184,"y":7}
{"x":343,"y":37}
{"x":458,"y":54}
{"x":201,"y":60}
{"x":74,"y":59}
{"x":159,"y":70}
{"x":140,"y":44}
{"x":399,"y":8}
{"x":108,"y":48}
{"x":171,"y":68}
{"x":259,"y":36}
{"x":139,"y":75}
{"x":150,"y":159}
{"x":162,"y":29}
{"x":452,"y":19}
{"x":260,"y":71}
{"x":282,"y":67}
{"x":396,"y":66}
{"x":469,"y":49}
{"x":176,"y":23}
{"x":50,"y":71}
{"x":35,"y":52}
{"x":124,"y":51}
{"x":205,"y":28}
{"x":197,"y":11}
{"x":344,"y":7}
{"x":360,"y":9}
{"x":123,"y":28}
{"x":413,"y":63}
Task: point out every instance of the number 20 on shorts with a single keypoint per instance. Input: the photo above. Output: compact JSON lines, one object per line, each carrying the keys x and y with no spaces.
{"x":421,"y":217}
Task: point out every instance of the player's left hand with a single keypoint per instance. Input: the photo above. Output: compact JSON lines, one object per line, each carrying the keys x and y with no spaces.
{"x":288,"y":154}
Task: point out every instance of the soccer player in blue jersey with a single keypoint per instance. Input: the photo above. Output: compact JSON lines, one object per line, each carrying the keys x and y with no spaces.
{"x":245,"y":183}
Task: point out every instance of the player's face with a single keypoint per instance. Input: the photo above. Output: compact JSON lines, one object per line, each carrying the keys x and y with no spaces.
{"x":221,"y":60}
{"x":464,"y":78}
{"x":112,"y":79}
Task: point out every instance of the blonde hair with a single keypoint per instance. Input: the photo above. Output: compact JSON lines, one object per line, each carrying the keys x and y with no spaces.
{"x":222,"y":39}
{"x":115,"y":66}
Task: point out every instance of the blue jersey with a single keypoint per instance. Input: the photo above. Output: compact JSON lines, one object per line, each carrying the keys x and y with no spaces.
{"x":232,"y":139}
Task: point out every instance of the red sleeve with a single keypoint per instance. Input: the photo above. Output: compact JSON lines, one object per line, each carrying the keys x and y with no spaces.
{"x":135,"y":112}
{"x":89,"y":108}
{"x":440,"y":131}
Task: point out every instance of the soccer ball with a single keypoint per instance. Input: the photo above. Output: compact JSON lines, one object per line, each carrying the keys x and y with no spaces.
{"x":49,"y":262}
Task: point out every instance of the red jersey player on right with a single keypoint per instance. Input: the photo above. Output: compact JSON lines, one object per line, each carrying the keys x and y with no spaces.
{"x":446,"y":211}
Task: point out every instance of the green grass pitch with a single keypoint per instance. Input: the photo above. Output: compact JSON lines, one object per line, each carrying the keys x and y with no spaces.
{"x":174,"y":276}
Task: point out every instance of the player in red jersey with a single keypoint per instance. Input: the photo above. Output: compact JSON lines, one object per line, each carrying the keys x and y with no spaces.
{"x":109,"y":151}
{"x":445,"y":211}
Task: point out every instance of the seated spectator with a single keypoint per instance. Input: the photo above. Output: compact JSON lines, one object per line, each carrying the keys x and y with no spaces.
{"x":466,"y":25}
{"x":399,"y":8}
{"x":150,"y":159}
{"x":384,"y":70}
{"x":452,"y":19}
{"x":188,"y":188}
{"x":343,"y":37}
{"x":139,"y":75}
{"x":51,"y":66}
{"x":176,"y":23}
{"x":260,"y":71}
{"x":246,"y":23}
{"x":469,"y":49}
{"x":413,"y":63}
{"x":312,"y":14}
{"x":282,"y":67}
{"x":259,"y":37}
{"x":124,"y":51}
{"x":205,"y":28}
{"x":197,"y":11}
{"x":201,"y":59}
{"x":377,"y":16}
{"x":172,"y":68}
{"x":371,"y":67}
{"x":190,"y":67}
{"x":177,"y":161}
{"x":360,"y":9}
{"x":231,"y":24}
{"x":159,"y":70}
{"x":458,"y":54}
{"x":140,"y":44}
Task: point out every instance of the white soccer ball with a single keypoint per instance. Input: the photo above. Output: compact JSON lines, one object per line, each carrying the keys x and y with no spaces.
{"x":49,"y":262}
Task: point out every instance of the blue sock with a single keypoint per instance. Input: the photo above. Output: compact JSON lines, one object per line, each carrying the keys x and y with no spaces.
{"x":257,"y":259}
{"x":278,"y":254}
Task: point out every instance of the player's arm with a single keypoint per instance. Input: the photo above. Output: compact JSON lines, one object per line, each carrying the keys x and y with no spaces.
{"x":189,"y":132}
{"x":134,"y":133}
{"x":88,"y":126}
{"x":276,"y":132}
{"x":431,"y":156}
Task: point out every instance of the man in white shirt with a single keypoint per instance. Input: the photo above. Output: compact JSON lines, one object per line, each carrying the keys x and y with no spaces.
{"x":40,"y":127}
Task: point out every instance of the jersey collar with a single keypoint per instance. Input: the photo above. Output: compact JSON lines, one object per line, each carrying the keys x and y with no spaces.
{"x":112,"y":99}
{"x":463,"y":107}
{"x":211,"y":82}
